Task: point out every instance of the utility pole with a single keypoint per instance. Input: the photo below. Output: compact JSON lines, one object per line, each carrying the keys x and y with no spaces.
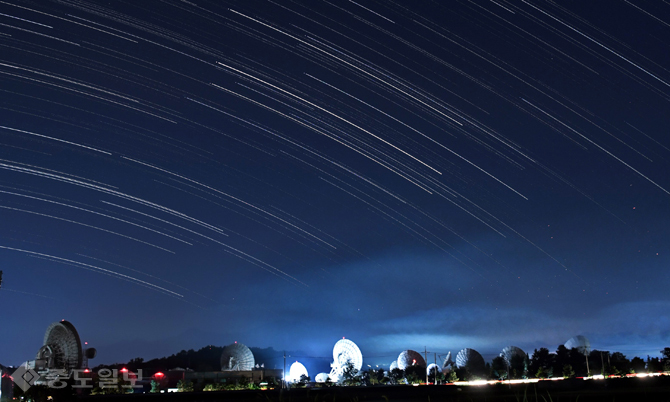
{"x":425,"y":359}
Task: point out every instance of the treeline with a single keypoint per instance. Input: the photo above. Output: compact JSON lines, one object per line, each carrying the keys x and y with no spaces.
{"x":207,"y":358}
{"x":572,"y":362}
{"x":566,"y":363}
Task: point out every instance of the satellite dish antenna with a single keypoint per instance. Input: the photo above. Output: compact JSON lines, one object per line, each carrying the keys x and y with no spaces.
{"x":345,"y":351}
{"x":509,"y":352}
{"x":237,"y":357}
{"x":447,"y":362}
{"x":470,"y":359}
{"x":581,"y":343}
{"x":62,"y":347}
{"x":409,"y":358}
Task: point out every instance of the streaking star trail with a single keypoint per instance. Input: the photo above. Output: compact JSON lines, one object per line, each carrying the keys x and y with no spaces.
{"x":276,"y":172}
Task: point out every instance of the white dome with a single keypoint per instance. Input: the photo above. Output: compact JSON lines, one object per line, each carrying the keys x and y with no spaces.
{"x":296,"y":371}
{"x":321,"y":377}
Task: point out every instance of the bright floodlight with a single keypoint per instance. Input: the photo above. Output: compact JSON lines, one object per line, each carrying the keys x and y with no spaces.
{"x":581,"y":343}
{"x":296,"y":371}
{"x":321,"y":377}
{"x":344,"y":351}
{"x":471,"y":360}
{"x":509,"y":352}
{"x":237,"y":357}
{"x":410,"y":358}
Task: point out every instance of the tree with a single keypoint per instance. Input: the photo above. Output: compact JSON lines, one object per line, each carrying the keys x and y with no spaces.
{"x":452,"y":377}
{"x":499,"y":368}
{"x":666,"y":359}
{"x":435,"y":375}
{"x":155,"y":387}
{"x":541,"y":363}
{"x":619,"y":364}
{"x":653,"y":365}
{"x":301,"y":383}
{"x":374,"y":377}
{"x":415,"y":374}
{"x":397,"y":376}
{"x":518,"y":367}
{"x":568,"y":372}
{"x":184,"y":386}
{"x":637,"y":365}
{"x":350,"y":375}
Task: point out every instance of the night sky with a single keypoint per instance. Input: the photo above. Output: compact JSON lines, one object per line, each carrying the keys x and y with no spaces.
{"x":438,"y":174}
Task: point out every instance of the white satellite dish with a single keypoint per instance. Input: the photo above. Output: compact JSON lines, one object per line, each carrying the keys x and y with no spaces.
{"x":344,"y":351}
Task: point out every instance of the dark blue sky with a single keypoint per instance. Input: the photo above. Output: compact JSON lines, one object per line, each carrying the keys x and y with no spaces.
{"x":443,"y":175}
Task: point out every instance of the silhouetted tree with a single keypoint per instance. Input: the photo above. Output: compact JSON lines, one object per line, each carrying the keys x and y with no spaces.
{"x":619,"y":364}
{"x":568,"y":372}
{"x":638,"y":365}
{"x":351,"y":375}
{"x":541,"y":363}
{"x":665,"y":361}
{"x":499,"y":368}
{"x":397,"y":376}
{"x":518,"y":367}
{"x":653,"y":365}
{"x":415,"y":374}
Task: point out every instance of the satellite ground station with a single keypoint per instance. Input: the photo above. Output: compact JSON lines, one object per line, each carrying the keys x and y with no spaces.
{"x":409,"y":358}
{"x":237,"y":357}
{"x":344,"y":352}
{"x":471,"y":360}
{"x":61,"y":351}
{"x":581,"y":343}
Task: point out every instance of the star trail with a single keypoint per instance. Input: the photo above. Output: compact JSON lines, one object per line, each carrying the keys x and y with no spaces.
{"x":431,"y":174}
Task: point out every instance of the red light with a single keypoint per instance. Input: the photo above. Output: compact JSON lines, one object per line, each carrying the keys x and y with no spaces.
{"x":124,"y":370}
{"x":87,"y":371}
{"x":159,"y":374}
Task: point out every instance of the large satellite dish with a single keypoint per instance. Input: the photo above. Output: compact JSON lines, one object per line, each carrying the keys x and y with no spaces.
{"x":471,"y":360}
{"x":509,"y":352}
{"x":345,"y":351}
{"x":321,"y":377}
{"x":296,"y":371}
{"x":410,"y":358}
{"x":581,"y":343}
{"x":62,"y":347}
{"x":394,"y":365}
{"x":237,"y":357}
